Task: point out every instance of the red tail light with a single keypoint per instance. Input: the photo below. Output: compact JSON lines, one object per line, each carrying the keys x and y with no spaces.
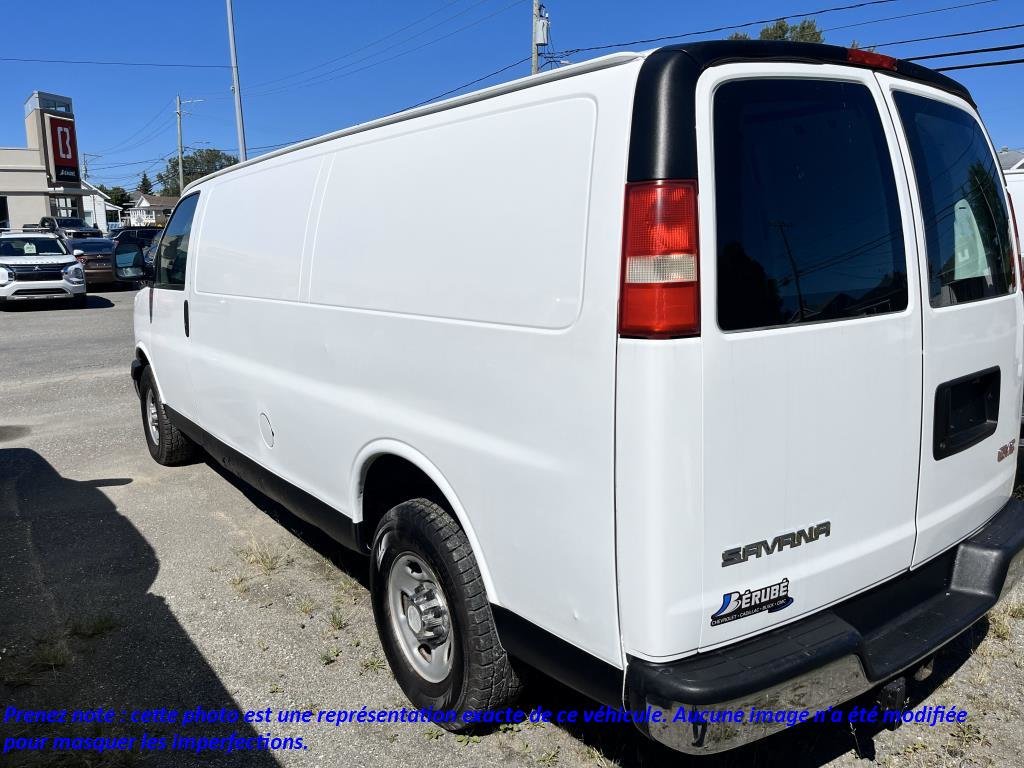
{"x":871,"y":59}
{"x":660,"y":266}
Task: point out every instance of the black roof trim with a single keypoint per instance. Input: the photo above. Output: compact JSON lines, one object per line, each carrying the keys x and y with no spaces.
{"x":668,"y":78}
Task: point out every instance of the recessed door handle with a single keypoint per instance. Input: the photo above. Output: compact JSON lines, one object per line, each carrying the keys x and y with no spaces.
{"x":186,"y":317}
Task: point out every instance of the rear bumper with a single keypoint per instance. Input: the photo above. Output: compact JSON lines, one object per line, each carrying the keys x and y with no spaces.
{"x":103,"y":274}
{"x":837,"y":654}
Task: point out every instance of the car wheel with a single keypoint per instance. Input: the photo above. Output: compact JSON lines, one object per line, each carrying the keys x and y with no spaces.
{"x":167,"y":444}
{"x":432,"y":614}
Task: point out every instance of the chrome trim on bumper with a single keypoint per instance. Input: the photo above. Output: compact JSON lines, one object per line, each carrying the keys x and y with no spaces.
{"x":839,"y":681}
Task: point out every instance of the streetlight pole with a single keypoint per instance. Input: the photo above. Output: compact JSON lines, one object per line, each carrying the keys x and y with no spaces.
{"x":240,"y":124}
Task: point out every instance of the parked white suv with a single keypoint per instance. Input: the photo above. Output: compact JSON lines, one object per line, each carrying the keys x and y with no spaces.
{"x":690,"y":377}
{"x":37,"y":265}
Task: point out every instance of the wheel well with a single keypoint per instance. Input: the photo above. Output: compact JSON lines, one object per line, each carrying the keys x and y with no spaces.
{"x":389,"y":481}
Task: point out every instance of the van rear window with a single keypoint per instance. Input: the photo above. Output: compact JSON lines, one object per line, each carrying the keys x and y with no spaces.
{"x":967,"y":226}
{"x":808,"y":221}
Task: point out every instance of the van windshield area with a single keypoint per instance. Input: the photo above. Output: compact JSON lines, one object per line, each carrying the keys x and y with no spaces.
{"x":967,"y":225}
{"x":808,"y":219}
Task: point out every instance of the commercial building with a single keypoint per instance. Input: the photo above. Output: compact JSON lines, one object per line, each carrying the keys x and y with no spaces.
{"x":43,"y":179}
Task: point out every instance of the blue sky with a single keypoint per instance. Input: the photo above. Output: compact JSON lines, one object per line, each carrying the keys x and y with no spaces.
{"x":125,"y":114}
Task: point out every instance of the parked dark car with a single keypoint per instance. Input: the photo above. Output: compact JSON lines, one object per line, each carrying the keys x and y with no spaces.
{"x":69,"y":228}
{"x":95,"y":254}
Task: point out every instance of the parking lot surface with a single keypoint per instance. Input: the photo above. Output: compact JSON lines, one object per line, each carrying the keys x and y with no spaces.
{"x":128,"y":585}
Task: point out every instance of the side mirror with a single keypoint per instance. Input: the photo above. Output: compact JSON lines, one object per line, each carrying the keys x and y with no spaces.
{"x":129,"y":265}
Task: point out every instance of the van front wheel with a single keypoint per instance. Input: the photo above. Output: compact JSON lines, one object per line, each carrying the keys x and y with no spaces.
{"x":433,"y":617}
{"x":167,"y":444}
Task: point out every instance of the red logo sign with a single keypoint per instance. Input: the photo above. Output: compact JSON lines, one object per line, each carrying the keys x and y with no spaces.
{"x":63,"y":148}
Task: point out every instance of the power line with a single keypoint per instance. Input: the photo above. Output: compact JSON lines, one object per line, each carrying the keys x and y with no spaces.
{"x":92,"y":62}
{"x":726,"y":28}
{"x":329,"y":75}
{"x":472,"y":82}
{"x":983,"y":64}
{"x":414,"y":106}
{"x":945,"y":37}
{"x":967,"y":53}
{"x":911,"y":15}
{"x":378,"y":40}
{"x":148,"y":123}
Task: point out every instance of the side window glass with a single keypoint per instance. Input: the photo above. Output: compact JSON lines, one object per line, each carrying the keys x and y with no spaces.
{"x":966,"y":223}
{"x":809,"y":227}
{"x":172,"y":253}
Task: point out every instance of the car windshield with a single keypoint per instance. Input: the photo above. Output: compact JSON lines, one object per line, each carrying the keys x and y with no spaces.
{"x":31,"y":246}
{"x":93,"y":245}
{"x":70,"y":223}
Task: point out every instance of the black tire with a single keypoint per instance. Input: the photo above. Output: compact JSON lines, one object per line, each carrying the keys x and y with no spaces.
{"x":171,"y":447}
{"x":79,"y":301}
{"x":481,"y":676}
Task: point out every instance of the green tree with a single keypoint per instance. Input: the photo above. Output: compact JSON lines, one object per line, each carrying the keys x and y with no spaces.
{"x":119,"y":196}
{"x":145,"y":185}
{"x":197,"y":164}
{"x":805,"y":32}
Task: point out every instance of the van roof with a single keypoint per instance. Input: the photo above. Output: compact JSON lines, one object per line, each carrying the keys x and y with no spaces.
{"x":659,"y":64}
{"x":711,"y":52}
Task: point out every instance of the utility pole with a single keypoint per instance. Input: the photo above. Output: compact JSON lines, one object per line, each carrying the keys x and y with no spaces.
{"x":540,"y":34}
{"x":181,"y":155}
{"x":239,"y":123}
{"x":85,"y":164}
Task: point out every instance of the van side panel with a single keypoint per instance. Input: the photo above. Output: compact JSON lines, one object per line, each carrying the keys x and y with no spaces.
{"x":484,"y":220}
{"x":264,"y":243}
{"x":463,"y":290}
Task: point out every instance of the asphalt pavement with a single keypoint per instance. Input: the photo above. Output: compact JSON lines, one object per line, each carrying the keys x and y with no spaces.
{"x":128,"y":586}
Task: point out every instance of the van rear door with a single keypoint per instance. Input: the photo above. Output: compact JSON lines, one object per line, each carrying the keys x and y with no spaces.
{"x":811,"y":343}
{"x":972,"y":315}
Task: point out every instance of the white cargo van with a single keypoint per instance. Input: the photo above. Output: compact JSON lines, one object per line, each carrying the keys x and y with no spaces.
{"x":690,"y":377}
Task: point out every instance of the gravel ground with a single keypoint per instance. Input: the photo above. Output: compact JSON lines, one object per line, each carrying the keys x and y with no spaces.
{"x":128,"y":585}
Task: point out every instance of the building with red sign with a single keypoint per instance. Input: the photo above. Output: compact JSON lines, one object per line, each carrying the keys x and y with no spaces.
{"x":44,"y":178}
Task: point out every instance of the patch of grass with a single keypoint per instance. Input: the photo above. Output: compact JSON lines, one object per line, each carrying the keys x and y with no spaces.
{"x":1015,"y":610}
{"x":337,"y":620}
{"x":268,"y":556}
{"x":326,"y":658}
{"x":373,"y":663}
{"x":93,"y":626}
{"x":49,"y":654}
{"x":465,"y":739}
{"x":510,"y":727}
{"x":595,"y":756}
{"x":549,"y":758}
{"x":433,"y":734}
{"x":306,"y":606}
{"x":275,"y":688}
{"x":999,"y":625}
{"x":240,"y":583}
{"x":962,"y":738}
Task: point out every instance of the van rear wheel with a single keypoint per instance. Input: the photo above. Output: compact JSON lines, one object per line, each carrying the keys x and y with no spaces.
{"x":167,"y":444}
{"x":432,"y":614}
